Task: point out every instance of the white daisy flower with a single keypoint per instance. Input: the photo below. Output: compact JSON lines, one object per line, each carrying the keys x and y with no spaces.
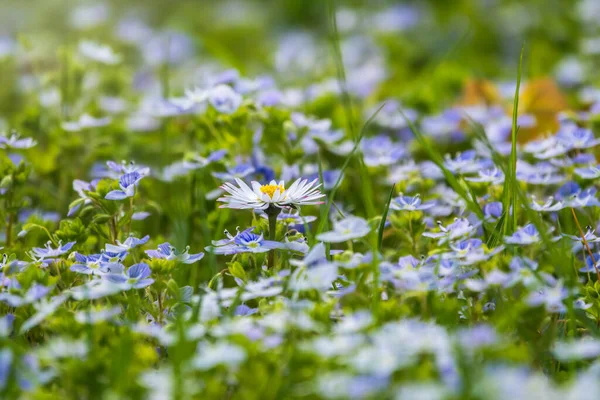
{"x":261,"y":197}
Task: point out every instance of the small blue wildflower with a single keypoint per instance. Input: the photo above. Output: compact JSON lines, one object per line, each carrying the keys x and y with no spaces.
{"x":488,"y":175}
{"x":125,"y":168}
{"x":460,"y":228}
{"x":48,"y":254}
{"x":127,"y":182}
{"x":585,"y":198}
{"x":525,"y":235}
{"x":567,"y":190}
{"x":380,"y":150}
{"x":548,"y":206}
{"x":244,"y":310}
{"x":127,"y":245}
{"x":243,"y":242}
{"x":81,"y":187}
{"x":492,"y":211}
{"x":13,"y":141}
{"x":590,"y":172}
{"x":550,"y":297}
{"x":575,"y":137}
{"x":410,"y":203}
{"x":88,"y":265}
{"x":196,"y":161}
{"x":33,"y":294}
{"x":345,"y":229}
{"x":136,"y":277}
{"x":224,"y":99}
{"x":168,"y":252}
{"x":589,"y":237}
{"x":240,"y":171}
{"x":591,"y":264}
{"x":465,"y":162}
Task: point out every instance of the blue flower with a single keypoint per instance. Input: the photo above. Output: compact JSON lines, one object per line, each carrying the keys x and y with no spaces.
{"x":465,"y":162}
{"x":243,"y":242}
{"x":589,"y":237}
{"x":591,"y":264}
{"x":81,"y":187}
{"x":127,"y":183}
{"x":525,"y":235}
{"x":224,"y":99}
{"x":460,"y":228}
{"x":492,"y":211}
{"x":301,"y":121}
{"x":33,"y":294}
{"x":567,"y":190}
{"x":125,"y":168}
{"x":168,"y":252}
{"x":48,"y":254}
{"x":488,"y":175}
{"x":590,"y":172}
{"x":575,"y":137}
{"x":548,"y":206}
{"x":237,"y":171}
{"x":244,"y":310}
{"x":345,"y":229}
{"x":196,"y":161}
{"x":410,"y":203}
{"x":136,"y":277}
{"x":551,"y":297}
{"x":13,"y":141}
{"x":127,"y":245}
{"x":585,"y":198}
{"x":380,"y":150}
{"x":88,"y":265}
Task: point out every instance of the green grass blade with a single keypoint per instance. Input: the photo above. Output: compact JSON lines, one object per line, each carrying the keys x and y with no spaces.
{"x":509,"y":194}
{"x":384,"y":217}
{"x":331,"y":195}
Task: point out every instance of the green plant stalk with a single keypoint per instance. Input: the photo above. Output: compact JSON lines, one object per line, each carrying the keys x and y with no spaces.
{"x":384,"y":217}
{"x":272,"y":213}
{"x":509,"y":195}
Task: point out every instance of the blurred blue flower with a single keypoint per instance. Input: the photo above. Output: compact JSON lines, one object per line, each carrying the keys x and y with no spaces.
{"x":240,"y":171}
{"x":168,"y":252}
{"x":224,"y":99}
{"x":590,"y":172}
{"x":13,"y":141}
{"x":550,"y":297}
{"x":460,"y":228}
{"x":81,"y":187}
{"x":127,"y":245}
{"x":488,"y":175}
{"x":410,"y":203}
{"x":492,"y":211}
{"x":380,"y":150}
{"x":525,"y":235}
{"x":348,"y":228}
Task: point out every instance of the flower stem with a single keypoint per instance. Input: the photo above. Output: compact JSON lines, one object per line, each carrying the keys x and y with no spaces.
{"x":9,"y":229}
{"x":272,"y":212}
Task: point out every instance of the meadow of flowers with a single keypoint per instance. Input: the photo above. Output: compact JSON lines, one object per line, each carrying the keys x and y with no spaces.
{"x":299,"y":200}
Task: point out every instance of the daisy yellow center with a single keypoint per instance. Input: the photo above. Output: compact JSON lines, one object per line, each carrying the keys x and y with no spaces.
{"x":271,"y":189}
